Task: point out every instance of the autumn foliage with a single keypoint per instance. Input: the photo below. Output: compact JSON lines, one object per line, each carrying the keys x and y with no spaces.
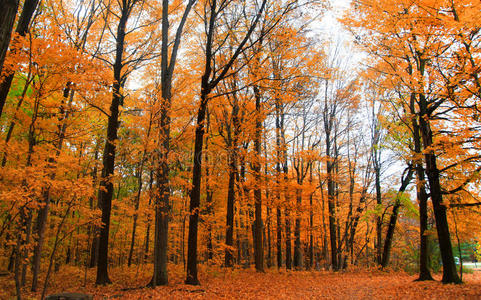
{"x":144,"y":143}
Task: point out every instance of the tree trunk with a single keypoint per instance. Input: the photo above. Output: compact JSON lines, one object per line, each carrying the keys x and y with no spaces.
{"x":162,"y":209}
{"x":162,"y":205}
{"x":422,"y":197}
{"x":311,"y":224}
{"x":136,"y":213}
{"x":279,"y":125}
{"x":279,"y":236}
{"x":232,"y":140}
{"x":7,"y":18}
{"x":229,"y":235}
{"x":449,"y":268}
{"x":288,"y":239}
{"x":393,"y":219}
{"x":377,"y":171}
{"x":332,"y":214}
{"x":258,"y":244}
{"x":209,"y":201}
{"x":147,"y":232}
{"x":297,"y":232}
{"x":269,"y":244}
{"x":162,"y":196}
{"x":108,"y":158}
{"x":22,"y":28}
{"x":196,"y":182}
{"x":424,"y":273}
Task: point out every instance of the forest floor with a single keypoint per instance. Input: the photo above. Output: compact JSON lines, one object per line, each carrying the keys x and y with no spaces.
{"x":247,"y":284}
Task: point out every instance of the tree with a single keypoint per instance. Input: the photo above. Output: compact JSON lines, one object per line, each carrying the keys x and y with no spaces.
{"x":417,"y":54}
{"x":122,"y":66}
{"x":168,"y":60}
{"x":210,"y":79}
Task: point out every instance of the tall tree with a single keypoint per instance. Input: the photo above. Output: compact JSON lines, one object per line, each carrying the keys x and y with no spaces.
{"x":123,"y":64}
{"x":210,"y":79}
{"x":168,"y":60}
{"x":418,"y":54}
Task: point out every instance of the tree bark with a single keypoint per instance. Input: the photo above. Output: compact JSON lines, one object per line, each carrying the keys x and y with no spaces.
{"x":297,"y":232}
{"x":208,"y":197}
{"x":424,"y":273}
{"x":393,"y":219}
{"x":195,"y":192}
{"x":377,"y":171}
{"x":229,"y":237}
{"x":108,"y":158}
{"x":233,"y":141}
{"x":449,"y":268}
{"x":7,"y":18}
{"x":136,"y":213}
{"x":332,"y":210}
{"x":311,"y":223}
{"x":22,"y":28}
{"x":279,"y":236}
{"x":287,"y":219}
{"x":279,"y":125}
{"x":422,"y":197}
{"x":258,"y":244}
{"x":162,"y":209}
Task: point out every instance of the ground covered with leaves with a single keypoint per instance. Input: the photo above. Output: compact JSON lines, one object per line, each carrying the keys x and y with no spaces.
{"x":129,"y":283}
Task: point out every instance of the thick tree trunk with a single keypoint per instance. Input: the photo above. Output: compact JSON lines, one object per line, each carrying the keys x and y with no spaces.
{"x":424,"y":273}
{"x":422,"y":196}
{"x":7,"y":18}
{"x":162,"y":196}
{"x":162,"y":209}
{"x":209,"y":194}
{"x":22,"y":28}
{"x":449,"y":268}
